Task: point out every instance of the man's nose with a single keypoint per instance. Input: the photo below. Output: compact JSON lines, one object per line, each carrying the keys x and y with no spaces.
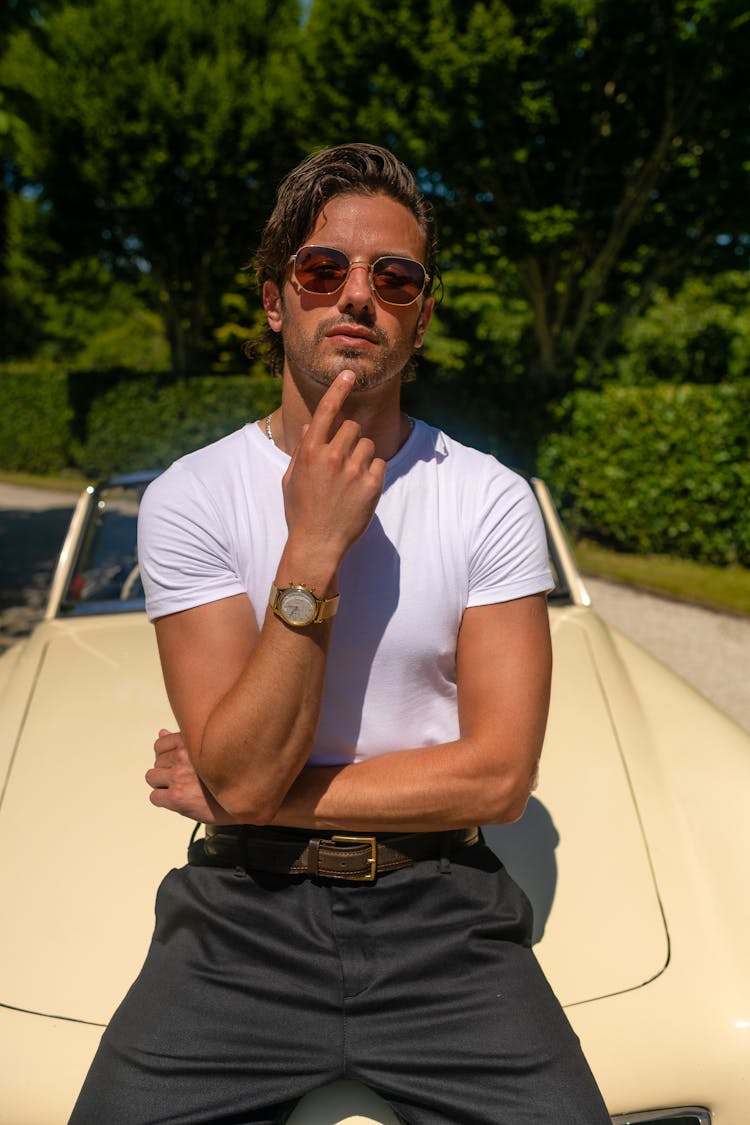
{"x":357,"y":290}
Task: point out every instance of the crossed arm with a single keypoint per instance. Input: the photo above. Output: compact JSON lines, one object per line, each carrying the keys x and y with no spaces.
{"x":248,"y":700}
{"x":485,"y":776}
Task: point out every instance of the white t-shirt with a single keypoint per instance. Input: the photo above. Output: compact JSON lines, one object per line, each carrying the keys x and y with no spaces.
{"x":453,"y":528}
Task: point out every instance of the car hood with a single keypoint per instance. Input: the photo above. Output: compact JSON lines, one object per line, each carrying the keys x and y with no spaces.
{"x":579,"y":851}
{"x":88,"y":850}
{"x":81,"y":849}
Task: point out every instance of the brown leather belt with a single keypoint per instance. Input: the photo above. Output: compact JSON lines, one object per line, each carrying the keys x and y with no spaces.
{"x":338,"y":855}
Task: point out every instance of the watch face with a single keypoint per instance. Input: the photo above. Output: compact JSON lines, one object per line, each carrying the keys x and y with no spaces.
{"x":298,"y":607}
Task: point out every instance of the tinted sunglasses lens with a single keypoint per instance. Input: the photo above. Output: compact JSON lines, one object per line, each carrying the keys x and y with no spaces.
{"x":398,"y":281}
{"x":320,"y":270}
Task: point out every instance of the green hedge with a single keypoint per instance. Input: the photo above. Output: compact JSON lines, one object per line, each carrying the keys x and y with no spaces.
{"x":134,"y":422}
{"x":35,"y":419}
{"x":146,"y":422}
{"x":661,"y":469}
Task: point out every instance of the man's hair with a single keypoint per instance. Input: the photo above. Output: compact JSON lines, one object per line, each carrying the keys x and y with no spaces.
{"x":357,"y":169}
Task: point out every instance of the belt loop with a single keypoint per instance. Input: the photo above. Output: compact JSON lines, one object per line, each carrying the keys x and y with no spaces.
{"x":444,"y":866}
{"x":313,"y":856}
{"x":241,"y":865}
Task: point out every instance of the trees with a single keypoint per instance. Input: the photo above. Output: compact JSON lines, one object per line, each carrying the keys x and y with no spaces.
{"x":581,"y":152}
{"x":15,"y":14}
{"x":585,"y":156}
{"x":155,"y":134}
{"x":699,"y":333}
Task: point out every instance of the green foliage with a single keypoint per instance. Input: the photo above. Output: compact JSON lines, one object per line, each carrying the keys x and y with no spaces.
{"x":28,"y":277}
{"x":243,"y":320}
{"x":662,"y":469}
{"x":126,"y":335}
{"x":145,"y":423}
{"x":158,"y":132}
{"x":584,"y":156}
{"x":35,"y":418}
{"x":701,"y":334}
{"x":595,"y":145}
{"x":73,"y":311}
{"x":474,"y":379}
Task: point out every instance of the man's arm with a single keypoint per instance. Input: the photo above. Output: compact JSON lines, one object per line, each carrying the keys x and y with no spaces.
{"x":485,"y":776}
{"x":248,"y":700}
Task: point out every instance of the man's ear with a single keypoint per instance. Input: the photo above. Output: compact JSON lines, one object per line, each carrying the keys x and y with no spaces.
{"x":424,"y":319}
{"x":272,"y":305}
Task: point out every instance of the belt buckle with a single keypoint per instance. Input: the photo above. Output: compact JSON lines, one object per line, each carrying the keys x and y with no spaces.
{"x":371,"y":859}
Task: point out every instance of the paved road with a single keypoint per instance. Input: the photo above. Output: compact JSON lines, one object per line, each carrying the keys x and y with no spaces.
{"x":710,"y":650}
{"x":15,"y":498}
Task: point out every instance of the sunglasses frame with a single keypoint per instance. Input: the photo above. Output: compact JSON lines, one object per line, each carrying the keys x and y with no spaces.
{"x":371,"y":274}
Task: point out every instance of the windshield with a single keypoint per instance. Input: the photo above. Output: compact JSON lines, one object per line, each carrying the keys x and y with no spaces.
{"x":105,"y":576}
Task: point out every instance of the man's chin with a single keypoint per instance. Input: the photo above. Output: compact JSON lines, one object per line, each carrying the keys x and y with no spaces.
{"x":369,"y":373}
{"x":367,"y":377}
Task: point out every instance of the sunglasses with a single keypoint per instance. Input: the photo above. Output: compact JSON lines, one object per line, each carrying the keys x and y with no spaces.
{"x":395,"y":281}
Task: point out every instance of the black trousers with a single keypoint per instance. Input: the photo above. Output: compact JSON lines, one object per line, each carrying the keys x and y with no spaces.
{"x":259,"y":988}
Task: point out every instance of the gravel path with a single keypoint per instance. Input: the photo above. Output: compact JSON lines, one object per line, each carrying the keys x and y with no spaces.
{"x":711,"y":650}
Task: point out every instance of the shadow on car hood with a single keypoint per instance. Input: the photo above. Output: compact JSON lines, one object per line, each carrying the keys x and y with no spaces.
{"x":579,"y":851}
{"x":82,"y":850}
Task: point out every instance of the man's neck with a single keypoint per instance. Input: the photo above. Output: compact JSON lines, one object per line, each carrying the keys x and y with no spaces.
{"x":377,"y":411}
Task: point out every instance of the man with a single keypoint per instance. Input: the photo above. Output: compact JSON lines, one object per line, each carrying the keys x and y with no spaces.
{"x":348,"y":731}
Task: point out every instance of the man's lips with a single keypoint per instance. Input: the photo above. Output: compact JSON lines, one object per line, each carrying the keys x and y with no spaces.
{"x":352,"y":333}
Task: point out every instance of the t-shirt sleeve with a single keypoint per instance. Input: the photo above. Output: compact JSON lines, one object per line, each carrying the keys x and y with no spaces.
{"x":508,"y":551}
{"x":183,"y":550}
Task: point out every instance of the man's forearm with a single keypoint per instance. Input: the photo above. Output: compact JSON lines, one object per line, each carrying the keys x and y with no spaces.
{"x":504,"y":666}
{"x":453,"y":785}
{"x":485,"y":776}
{"x":435,"y":788}
{"x":250,"y":744}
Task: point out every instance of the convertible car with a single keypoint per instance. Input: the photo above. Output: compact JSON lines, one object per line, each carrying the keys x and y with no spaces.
{"x":634,"y":848}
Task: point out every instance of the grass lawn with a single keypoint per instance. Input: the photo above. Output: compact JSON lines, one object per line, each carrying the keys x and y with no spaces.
{"x":718,"y":587}
{"x":69,"y":482}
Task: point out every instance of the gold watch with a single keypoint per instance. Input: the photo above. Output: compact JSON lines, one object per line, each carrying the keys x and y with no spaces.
{"x":298,"y":606}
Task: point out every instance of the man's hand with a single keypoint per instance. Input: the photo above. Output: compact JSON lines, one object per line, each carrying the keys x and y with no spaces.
{"x":333,"y":483}
{"x":177,"y":787}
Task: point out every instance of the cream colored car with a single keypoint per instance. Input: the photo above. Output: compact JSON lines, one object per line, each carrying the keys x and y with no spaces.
{"x":635,"y":848}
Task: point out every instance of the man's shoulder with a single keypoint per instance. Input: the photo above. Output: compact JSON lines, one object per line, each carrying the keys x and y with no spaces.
{"x":226,"y":450}
{"x":220,"y":460}
{"x":205,"y":481}
{"x":460,"y":456}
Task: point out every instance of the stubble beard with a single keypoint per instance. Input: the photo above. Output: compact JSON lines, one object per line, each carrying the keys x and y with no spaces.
{"x":370,"y":370}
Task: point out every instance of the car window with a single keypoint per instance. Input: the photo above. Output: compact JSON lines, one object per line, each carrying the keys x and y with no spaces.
{"x":106,"y":574}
